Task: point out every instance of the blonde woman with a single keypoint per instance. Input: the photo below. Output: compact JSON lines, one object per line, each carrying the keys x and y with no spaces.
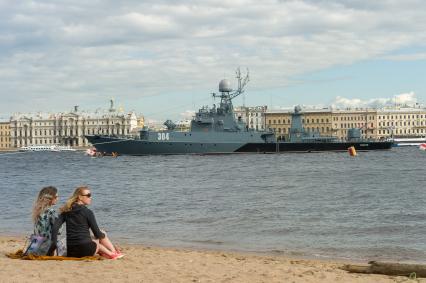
{"x":44,"y":216}
{"x":79,"y":221}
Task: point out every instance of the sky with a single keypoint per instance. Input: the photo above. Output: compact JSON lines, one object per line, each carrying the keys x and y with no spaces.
{"x":163,"y":59}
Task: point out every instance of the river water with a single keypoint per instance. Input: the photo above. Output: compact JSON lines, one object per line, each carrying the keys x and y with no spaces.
{"x":327,"y":205}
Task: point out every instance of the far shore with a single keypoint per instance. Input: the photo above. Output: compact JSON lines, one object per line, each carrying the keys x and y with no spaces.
{"x":157,"y":264}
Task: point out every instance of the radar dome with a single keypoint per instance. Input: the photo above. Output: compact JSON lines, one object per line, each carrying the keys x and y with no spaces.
{"x":225,"y":86}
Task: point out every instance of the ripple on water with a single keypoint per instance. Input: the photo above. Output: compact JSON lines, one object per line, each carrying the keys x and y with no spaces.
{"x":324,"y":204}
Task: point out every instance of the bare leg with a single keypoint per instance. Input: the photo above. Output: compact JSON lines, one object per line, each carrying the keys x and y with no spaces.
{"x":104,"y":246}
{"x":101,"y":249}
{"x":106,"y":242}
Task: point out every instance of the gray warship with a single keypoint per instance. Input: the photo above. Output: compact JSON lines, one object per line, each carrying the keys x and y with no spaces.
{"x":215,"y":130}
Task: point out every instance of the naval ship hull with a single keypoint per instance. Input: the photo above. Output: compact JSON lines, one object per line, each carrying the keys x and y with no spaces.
{"x":129,"y":146}
{"x":314,"y":146}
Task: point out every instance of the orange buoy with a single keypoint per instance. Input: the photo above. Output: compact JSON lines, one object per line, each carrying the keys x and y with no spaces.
{"x":352,"y":151}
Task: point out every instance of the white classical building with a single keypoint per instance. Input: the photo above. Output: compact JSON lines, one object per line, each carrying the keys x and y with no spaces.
{"x":68,"y":128}
{"x":254,"y":117}
{"x":401,"y":122}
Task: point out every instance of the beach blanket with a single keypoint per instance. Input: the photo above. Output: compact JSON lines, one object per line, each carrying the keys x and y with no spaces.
{"x":20,"y":255}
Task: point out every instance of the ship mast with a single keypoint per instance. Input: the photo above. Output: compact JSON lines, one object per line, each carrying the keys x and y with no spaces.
{"x":227,"y":94}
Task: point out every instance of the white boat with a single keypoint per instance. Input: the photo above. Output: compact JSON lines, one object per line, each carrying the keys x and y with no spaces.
{"x":409,"y":141}
{"x":64,"y":148}
{"x":46,"y":148}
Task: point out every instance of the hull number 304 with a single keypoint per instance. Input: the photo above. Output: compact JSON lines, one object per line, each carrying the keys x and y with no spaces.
{"x":163,"y":136}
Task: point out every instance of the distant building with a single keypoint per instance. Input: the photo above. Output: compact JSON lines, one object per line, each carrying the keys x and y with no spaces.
{"x":364,"y":119}
{"x":140,"y":121}
{"x":68,"y":128}
{"x":254,"y":117}
{"x":401,"y":122}
{"x":183,"y":125}
{"x":313,"y":120}
{"x":396,"y":122}
{"x":5,"y":135}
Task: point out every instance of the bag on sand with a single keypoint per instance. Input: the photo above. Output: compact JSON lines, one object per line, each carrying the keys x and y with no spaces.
{"x":35,"y":243}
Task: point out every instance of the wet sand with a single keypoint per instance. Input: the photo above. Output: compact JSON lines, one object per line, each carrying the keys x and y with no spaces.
{"x":156,"y":264}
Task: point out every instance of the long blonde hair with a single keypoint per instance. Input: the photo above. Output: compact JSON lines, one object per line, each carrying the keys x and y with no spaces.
{"x":73,"y":199}
{"x":43,"y":201}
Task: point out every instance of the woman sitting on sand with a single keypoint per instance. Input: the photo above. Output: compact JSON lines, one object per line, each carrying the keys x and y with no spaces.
{"x":79,"y":219}
{"x":44,"y":216}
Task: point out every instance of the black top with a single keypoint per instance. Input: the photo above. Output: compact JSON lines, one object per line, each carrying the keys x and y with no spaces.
{"x":79,"y":219}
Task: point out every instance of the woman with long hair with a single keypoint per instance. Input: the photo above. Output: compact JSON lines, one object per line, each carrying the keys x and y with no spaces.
{"x":79,"y":221}
{"x":44,"y":216}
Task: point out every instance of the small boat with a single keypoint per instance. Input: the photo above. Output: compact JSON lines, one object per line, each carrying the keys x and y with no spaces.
{"x":91,"y":152}
{"x":63,"y":148}
{"x":409,"y":141}
{"x":47,"y":148}
{"x":422,"y":146}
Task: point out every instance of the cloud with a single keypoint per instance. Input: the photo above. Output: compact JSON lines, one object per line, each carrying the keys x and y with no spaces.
{"x":403,"y":99}
{"x":58,"y":52}
{"x":406,"y":57}
{"x":187,"y":115}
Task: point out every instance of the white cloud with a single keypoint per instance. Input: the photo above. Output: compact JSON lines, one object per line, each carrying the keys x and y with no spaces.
{"x":406,"y":57}
{"x":57,"y":51}
{"x":403,"y":99}
{"x":187,"y":115}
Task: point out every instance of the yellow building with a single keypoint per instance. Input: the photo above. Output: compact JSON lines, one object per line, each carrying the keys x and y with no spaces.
{"x":278,"y":121}
{"x":397,"y":122}
{"x":326,"y":122}
{"x":364,"y":119}
{"x":317,"y":121}
{"x":313,"y":120}
{"x":5,"y":135}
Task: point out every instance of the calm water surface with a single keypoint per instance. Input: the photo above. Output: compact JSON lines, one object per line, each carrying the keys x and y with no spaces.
{"x":315,"y":205}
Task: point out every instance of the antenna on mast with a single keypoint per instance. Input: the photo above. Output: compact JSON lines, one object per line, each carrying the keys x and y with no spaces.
{"x":241,"y":83}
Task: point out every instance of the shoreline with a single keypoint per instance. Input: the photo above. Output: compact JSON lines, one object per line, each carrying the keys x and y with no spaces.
{"x":293,"y":255}
{"x":144,"y":263}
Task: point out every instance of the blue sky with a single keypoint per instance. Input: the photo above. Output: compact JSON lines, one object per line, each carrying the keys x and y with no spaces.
{"x":163,"y":58}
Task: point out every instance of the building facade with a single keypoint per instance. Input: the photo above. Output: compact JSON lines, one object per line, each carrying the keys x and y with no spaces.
{"x":401,"y":123}
{"x":313,"y":120}
{"x":374,"y":123}
{"x":364,"y":119}
{"x":254,"y":117}
{"x":68,"y":128}
{"x":5,"y":135}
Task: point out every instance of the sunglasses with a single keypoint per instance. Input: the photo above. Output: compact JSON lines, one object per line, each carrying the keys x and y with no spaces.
{"x":89,"y":195}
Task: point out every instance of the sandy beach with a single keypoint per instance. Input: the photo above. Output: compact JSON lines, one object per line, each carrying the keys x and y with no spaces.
{"x":155,"y":264}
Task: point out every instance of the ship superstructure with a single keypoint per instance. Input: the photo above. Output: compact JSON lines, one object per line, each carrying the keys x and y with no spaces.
{"x":212,"y":130}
